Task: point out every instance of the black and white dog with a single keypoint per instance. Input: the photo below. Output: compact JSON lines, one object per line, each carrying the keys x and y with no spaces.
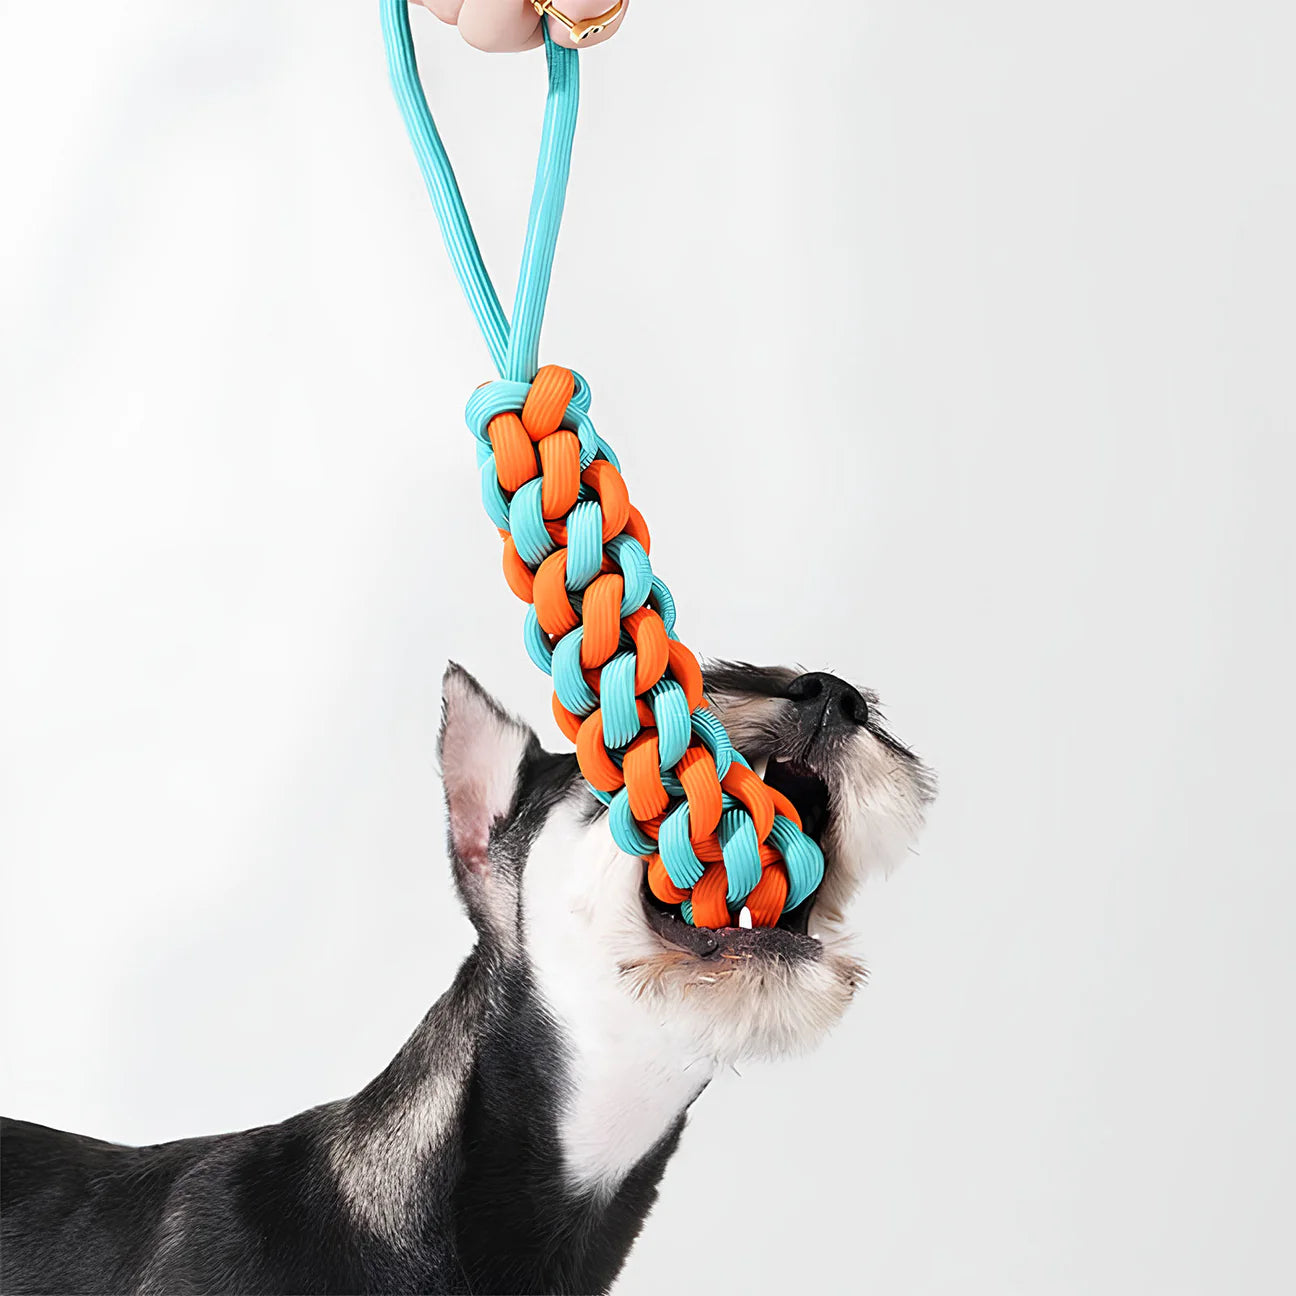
{"x":516,"y":1141}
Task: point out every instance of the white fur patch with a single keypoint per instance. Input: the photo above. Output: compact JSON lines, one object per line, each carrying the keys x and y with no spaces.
{"x":877,"y":811}
{"x":170,"y":1244}
{"x":383,"y":1138}
{"x":377,"y":1168}
{"x":633,"y":1065}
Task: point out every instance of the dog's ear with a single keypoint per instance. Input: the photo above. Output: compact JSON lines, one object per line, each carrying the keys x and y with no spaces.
{"x":481,"y":750}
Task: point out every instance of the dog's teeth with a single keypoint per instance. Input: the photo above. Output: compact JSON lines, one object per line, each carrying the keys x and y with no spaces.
{"x":760,"y":767}
{"x":744,"y":918}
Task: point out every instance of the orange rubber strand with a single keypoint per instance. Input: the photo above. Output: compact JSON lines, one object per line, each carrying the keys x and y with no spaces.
{"x":560,"y":460}
{"x":568,"y":723}
{"x":684,"y":666}
{"x":614,"y":499}
{"x":697,"y":771}
{"x":515,"y":456}
{"x":660,"y":885}
{"x":783,"y":805}
{"x":637,"y":529}
{"x":547,"y":401}
{"x":520,"y":578}
{"x":601,"y":617}
{"x":710,"y":908}
{"x":642,"y":772}
{"x":750,"y":789}
{"x":553,"y":607}
{"x":595,"y":763}
{"x":652,"y":647}
{"x":766,"y":899}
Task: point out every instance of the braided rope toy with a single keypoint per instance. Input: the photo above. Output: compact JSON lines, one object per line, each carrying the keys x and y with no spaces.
{"x":627,"y":692}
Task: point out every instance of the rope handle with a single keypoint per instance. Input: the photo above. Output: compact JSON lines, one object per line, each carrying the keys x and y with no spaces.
{"x":599,"y":621}
{"x":514,"y":350}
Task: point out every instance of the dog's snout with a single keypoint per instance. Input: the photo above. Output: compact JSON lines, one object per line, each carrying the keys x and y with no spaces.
{"x":835,"y":705}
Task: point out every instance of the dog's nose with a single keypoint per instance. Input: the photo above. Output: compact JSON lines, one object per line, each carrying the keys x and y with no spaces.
{"x":833,"y":705}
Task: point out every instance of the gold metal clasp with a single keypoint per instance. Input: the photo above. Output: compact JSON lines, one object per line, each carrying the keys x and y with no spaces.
{"x":580,"y":28}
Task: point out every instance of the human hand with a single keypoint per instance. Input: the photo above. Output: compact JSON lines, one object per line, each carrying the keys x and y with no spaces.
{"x":507,"y":25}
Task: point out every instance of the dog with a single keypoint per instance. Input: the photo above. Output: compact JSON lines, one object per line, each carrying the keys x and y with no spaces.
{"x":516,"y":1141}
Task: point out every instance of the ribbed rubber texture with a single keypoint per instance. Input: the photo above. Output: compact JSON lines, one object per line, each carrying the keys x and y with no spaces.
{"x":627,"y":692}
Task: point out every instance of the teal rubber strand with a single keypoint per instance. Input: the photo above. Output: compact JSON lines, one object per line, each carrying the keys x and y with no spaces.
{"x":514,"y":352}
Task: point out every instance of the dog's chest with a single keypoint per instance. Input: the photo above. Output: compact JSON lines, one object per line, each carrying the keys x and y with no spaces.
{"x":629,"y":1071}
{"x":629,"y":1079}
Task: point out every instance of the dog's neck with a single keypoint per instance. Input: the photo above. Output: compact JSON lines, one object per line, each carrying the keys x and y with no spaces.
{"x":518,"y":1137}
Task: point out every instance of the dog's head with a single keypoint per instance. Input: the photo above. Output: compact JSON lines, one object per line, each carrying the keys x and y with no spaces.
{"x":546,"y":885}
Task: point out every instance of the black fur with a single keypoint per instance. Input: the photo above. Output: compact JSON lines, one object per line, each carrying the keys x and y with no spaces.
{"x":511,"y":1185}
{"x":260,"y":1210}
{"x":779,"y":681}
{"x":743,"y":677}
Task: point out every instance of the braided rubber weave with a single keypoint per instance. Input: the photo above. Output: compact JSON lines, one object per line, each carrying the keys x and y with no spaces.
{"x":627,"y":692}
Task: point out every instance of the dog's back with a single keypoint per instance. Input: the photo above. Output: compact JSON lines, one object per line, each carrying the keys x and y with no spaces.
{"x":241,"y":1212}
{"x":74,"y":1210}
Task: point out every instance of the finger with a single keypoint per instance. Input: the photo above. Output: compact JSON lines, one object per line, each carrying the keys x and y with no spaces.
{"x":499,"y":25}
{"x":578,"y":9}
{"x":446,"y":10}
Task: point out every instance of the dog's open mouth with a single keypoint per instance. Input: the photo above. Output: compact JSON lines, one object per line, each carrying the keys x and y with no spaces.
{"x":790,"y":936}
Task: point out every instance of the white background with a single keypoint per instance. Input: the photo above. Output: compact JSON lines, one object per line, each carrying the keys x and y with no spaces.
{"x":947,"y":345}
